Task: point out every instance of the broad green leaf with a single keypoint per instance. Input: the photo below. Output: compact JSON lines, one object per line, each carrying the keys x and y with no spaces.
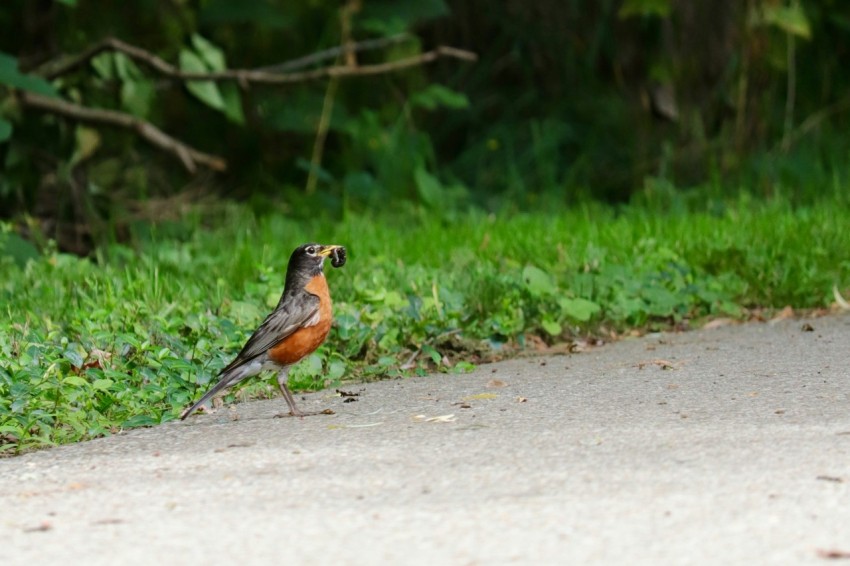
{"x":389,"y":340}
{"x":224,"y":97}
{"x":428,"y":187}
{"x":20,"y":250}
{"x":660,"y":301}
{"x":103,"y":66}
{"x":212,"y":55}
{"x":139,"y":420}
{"x":790,"y":19}
{"x":232,"y":103}
{"x":394,"y":300}
{"x":551,"y":326}
{"x":5,"y":130}
{"x":88,"y":140}
{"x":74,"y":357}
{"x":730,"y":308}
{"x":660,"y":8}
{"x":432,"y":353}
{"x":205,"y":91}
{"x":11,"y":76}
{"x":102,"y":384}
{"x":137,"y":96}
{"x":126,"y":68}
{"x":537,"y":281}
{"x":624,"y":307}
{"x":463,"y":367}
{"x":336,"y":369}
{"x":435,"y":96}
{"x":578,"y":308}
{"x":137,"y":92}
{"x":76,"y":380}
{"x":312,"y":366}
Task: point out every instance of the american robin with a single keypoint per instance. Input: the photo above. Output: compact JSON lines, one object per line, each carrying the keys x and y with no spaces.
{"x":297,"y":326}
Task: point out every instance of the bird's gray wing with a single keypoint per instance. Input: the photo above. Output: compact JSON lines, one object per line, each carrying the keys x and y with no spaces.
{"x":298,"y":311}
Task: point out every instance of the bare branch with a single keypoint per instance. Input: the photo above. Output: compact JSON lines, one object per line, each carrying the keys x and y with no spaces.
{"x":333,"y":52}
{"x":189,"y":156}
{"x":245,"y":76}
{"x":53,"y":69}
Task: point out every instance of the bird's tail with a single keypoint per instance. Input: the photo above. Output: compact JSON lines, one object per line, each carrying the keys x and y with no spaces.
{"x":228,"y":378}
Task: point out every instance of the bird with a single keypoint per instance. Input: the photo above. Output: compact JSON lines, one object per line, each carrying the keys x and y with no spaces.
{"x":295,"y":328}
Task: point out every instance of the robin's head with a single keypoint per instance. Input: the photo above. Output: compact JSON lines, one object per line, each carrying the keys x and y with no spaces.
{"x":306,"y":262}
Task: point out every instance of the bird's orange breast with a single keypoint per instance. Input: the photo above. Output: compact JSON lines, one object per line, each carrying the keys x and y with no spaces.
{"x":305,"y":340}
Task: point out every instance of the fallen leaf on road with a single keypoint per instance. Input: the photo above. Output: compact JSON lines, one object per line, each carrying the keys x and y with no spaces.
{"x":235,"y":445}
{"x":42,"y":528}
{"x":480,"y":396}
{"x":833,"y":554}
{"x":349,"y":393}
{"x":536,"y":342}
{"x":521,"y":400}
{"x":496,"y":383}
{"x":835,"y":479}
{"x":108,"y":522}
{"x":718,"y":323}
{"x":439,"y":419}
{"x":579,"y":346}
{"x":663,"y":364}
{"x":784,"y":314}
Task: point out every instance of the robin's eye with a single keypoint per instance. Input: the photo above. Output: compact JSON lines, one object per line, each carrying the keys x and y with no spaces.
{"x":311,"y":250}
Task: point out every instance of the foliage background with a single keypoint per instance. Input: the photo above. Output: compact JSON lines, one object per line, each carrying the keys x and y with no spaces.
{"x":569,"y":100}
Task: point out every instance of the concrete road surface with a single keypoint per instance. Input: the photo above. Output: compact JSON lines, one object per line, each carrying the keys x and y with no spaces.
{"x":723,"y":446}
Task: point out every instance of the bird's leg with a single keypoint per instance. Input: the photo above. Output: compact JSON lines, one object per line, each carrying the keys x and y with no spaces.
{"x":294,"y":411}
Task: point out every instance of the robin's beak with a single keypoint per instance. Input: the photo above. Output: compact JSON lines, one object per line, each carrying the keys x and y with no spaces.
{"x":327,"y":250}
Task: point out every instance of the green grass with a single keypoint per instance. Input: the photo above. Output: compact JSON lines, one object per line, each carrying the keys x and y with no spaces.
{"x":90,"y":347}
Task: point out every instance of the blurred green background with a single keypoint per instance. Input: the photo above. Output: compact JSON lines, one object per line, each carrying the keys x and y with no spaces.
{"x":568,"y":101}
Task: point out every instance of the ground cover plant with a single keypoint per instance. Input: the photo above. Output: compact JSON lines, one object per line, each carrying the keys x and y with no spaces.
{"x":128,"y":338}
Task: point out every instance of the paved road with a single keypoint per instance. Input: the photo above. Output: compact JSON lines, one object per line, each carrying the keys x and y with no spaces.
{"x":737,"y":453}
